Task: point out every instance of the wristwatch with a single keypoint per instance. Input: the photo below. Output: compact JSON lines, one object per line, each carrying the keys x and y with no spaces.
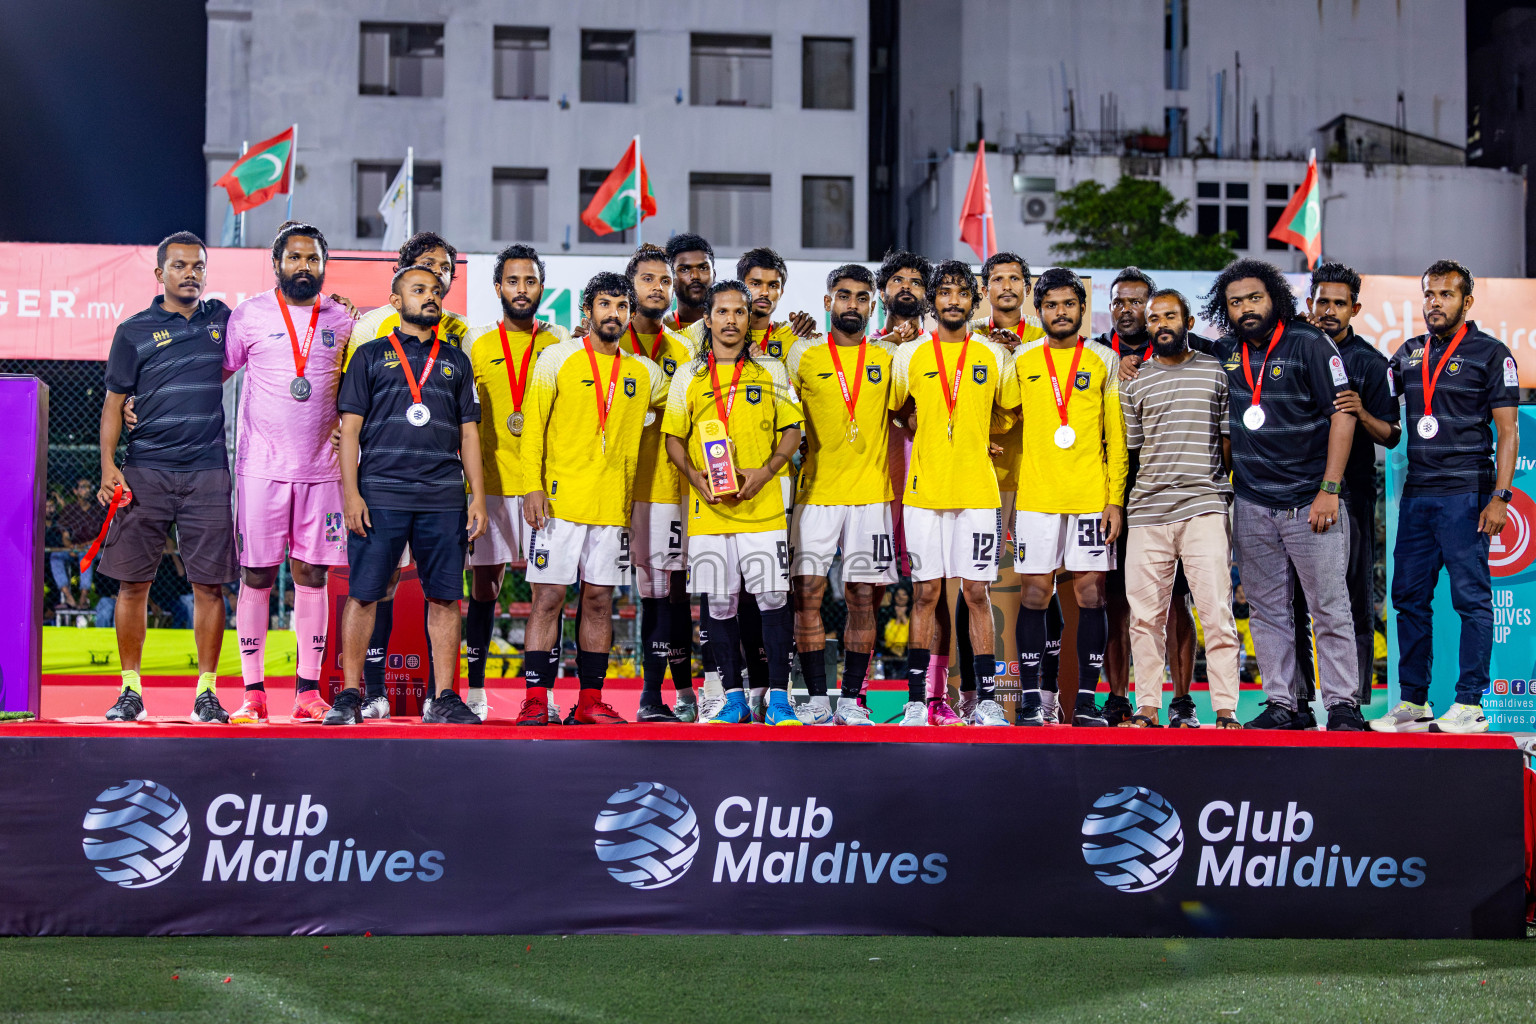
{"x":1328,"y":487}
{"x":1504,"y":494}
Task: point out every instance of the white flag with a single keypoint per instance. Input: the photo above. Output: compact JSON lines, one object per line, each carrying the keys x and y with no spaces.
{"x":395,"y":208}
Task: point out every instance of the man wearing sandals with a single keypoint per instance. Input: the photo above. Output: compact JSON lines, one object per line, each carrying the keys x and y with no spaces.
{"x":1176,"y":415}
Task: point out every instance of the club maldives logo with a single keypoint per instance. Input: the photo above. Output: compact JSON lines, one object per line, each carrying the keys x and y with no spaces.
{"x":1511,"y":551}
{"x":647,"y":835}
{"x":1133,"y":839}
{"x":137,"y":834}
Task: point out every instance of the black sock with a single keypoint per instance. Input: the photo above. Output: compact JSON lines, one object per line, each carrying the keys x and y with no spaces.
{"x":1029,"y":633}
{"x":1092,"y":636}
{"x":855,"y":668}
{"x":755,"y":656}
{"x":258,"y":685}
{"x":778,"y":638}
{"x":963,"y":646}
{"x":300,"y":684}
{"x":706,"y":651}
{"x":655,"y":614}
{"x":477,"y":638}
{"x":680,"y":634}
{"x":539,"y":671}
{"x":591,"y":667}
{"x":378,"y":647}
{"x":982,"y":667}
{"x":725,"y":642}
{"x":813,"y":666}
{"x":1050,"y":665}
{"x":917,"y":674}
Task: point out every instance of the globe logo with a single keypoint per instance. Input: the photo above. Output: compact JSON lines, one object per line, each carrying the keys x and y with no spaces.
{"x":137,"y":834}
{"x":1133,"y":839}
{"x":647,"y":835}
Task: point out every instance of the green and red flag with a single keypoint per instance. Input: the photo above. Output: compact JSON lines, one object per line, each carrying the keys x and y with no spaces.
{"x":264,"y":171}
{"x":1301,"y":224}
{"x":615,"y":207}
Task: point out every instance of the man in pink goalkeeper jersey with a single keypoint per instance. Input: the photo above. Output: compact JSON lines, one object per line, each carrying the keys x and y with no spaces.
{"x":290,"y":341}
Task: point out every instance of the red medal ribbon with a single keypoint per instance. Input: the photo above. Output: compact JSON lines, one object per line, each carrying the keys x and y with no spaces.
{"x":1050,"y":364}
{"x":767,"y":335}
{"x":603,"y":405}
{"x":724,"y":408}
{"x":405,"y":365}
{"x":634,"y":341}
{"x":850,"y":400}
{"x":1114,"y":341}
{"x":518,"y":386}
{"x":1248,"y":367}
{"x":951,"y":393}
{"x":1018,"y":332}
{"x":1430,"y":382}
{"x":300,"y":352}
{"x":120,"y":496}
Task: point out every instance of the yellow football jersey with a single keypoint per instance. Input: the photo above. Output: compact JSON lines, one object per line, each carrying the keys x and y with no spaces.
{"x":1006,"y":465}
{"x":563,"y":454}
{"x":763,"y":409}
{"x":379,"y":322}
{"x":777,"y":343}
{"x":1084,"y":478}
{"x":953,"y":472}
{"x":500,"y":449}
{"x":656,"y":479}
{"x":835,"y":471}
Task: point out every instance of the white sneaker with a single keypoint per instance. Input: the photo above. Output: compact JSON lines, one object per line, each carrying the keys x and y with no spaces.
{"x":916,"y":713}
{"x":1050,"y":707}
{"x":426,"y":708}
{"x":709,"y":707}
{"x":376,"y":707}
{"x":814,"y":712}
{"x":990,"y":712}
{"x":851,"y":712}
{"x":966,"y":706}
{"x":1406,"y":717}
{"x":556,"y":716}
{"x":477,"y":703}
{"x":1462,"y":718}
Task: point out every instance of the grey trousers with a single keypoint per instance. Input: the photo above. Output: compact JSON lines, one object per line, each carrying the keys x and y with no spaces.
{"x":1267,"y":542}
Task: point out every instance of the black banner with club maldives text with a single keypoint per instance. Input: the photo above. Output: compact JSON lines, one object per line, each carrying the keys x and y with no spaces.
{"x":154,"y":836}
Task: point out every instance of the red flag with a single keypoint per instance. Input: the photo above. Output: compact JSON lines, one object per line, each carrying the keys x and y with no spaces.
{"x":613,"y":208}
{"x":1301,"y":224}
{"x":978,"y":229}
{"x":264,"y":171}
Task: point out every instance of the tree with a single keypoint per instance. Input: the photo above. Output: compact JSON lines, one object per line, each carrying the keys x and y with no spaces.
{"x":1132,"y":224}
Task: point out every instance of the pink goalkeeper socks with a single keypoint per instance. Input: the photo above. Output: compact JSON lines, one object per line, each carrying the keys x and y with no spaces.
{"x":938,"y":676}
{"x":309,"y":625}
{"x":251,"y":618}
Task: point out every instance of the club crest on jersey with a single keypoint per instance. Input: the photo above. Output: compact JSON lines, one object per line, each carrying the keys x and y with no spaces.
{"x":448,"y":371}
{"x":979,"y":374}
{"x":669,"y":366}
{"x":1453,"y":367}
{"x":873,"y":373}
{"x":1082,"y":380}
{"x":754,"y":394}
{"x":629,"y":387}
{"x":541,"y":559}
{"x":455,"y":337}
{"x":217,"y":334}
{"x":328,"y":338}
{"x":1277,"y":371}
{"x":775,"y":349}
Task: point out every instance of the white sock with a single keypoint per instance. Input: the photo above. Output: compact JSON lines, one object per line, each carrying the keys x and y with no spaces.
{"x":759,"y":694}
{"x":825,"y":701}
{"x":712,"y":687}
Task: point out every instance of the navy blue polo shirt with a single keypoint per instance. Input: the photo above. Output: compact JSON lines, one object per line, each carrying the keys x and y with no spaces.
{"x":1480,"y":377}
{"x":173,"y":368}
{"x":1281,"y":464}
{"x":406,"y":467}
{"x":1367,"y":369}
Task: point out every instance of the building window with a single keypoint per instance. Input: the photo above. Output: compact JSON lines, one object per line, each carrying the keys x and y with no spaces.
{"x":826,"y":213}
{"x":400,"y":59}
{"x":522,"y":63}
{"x":731,"y":210}
{"x":607,"y":66}
{"x":1208,"y":215}
{"x":731,"y":71}
{"x":826,"y":74}
{"x":1237,"y":213}
{"x":591,"y":180}
{"x":1176,"y":125}
{"x":520,"y":204}
{"x":1276,"y":197}
{"x":373,"y":177}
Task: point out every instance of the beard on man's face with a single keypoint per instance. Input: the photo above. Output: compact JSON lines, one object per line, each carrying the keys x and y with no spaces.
{"x":1252,"y":327}
{"x":906,"y":305}
{"x":422,"y":317}
{"x":301,"y":285}
{"x":1169,"y":343}
{"x":610,"y":330}
{"x":851,"y":322}
{"x":520,"y":308}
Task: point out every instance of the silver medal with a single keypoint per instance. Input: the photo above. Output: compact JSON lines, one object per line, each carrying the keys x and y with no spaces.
{"x":515,"y":424}
{"x":1428,"y":427}
{"x":418,"y":415}
{"x":650,"y":416}
{"x":1064,"y":437}
{"x":300,"y":388}
{"x":1253,"y":417}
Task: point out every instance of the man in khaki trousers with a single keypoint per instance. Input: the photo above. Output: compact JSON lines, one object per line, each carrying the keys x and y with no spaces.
{"x":1176,"y":414}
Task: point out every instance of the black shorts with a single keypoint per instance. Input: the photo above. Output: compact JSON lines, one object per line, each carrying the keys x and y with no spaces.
{"x":198,"y":503}
{"x":438,"y":539}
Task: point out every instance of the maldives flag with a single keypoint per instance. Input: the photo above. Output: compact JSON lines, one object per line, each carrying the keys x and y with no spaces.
{"x":1301,"y":224}
{"x":613,"y":208}
{"x":978,"y":229}
{"x":265,"y":170}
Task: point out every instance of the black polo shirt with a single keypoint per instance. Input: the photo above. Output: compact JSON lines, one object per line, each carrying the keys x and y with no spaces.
{"x":1367,"y":369}
{"x":1135,"y":346}
{"x":173,"y":367}
{"x":1281,"y":464}
{"x":1480,"y":377}
{"x":403,"y":466}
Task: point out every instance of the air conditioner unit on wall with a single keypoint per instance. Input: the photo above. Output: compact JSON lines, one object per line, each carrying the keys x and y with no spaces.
{"x":1037,"y":198}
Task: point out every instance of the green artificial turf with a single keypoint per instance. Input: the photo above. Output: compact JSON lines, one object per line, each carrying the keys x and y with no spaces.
{"x":740,"y":978}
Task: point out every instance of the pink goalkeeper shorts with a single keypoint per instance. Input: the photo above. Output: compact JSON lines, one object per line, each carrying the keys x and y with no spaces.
{"x":275,"y":519}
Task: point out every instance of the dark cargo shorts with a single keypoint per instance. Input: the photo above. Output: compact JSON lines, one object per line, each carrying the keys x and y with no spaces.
{"x":197,"y":502}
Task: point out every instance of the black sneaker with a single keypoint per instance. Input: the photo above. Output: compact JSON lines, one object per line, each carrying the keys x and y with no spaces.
{"x":1087,"y":714}
{"x":1031,"y":715}
{"x":570,"y":716}
{"x":206,"y":708}
{"x":655,"y":713}
{"x":1305,"y":717}
{"x":1345,"y":718}
{"x":448,"y":708}
{"x":1274,"y":716}
{"x":347,"y":710}
{"x":1116,"y":710}
{"x":1181,"y":713}
{"x":129,"y":708}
